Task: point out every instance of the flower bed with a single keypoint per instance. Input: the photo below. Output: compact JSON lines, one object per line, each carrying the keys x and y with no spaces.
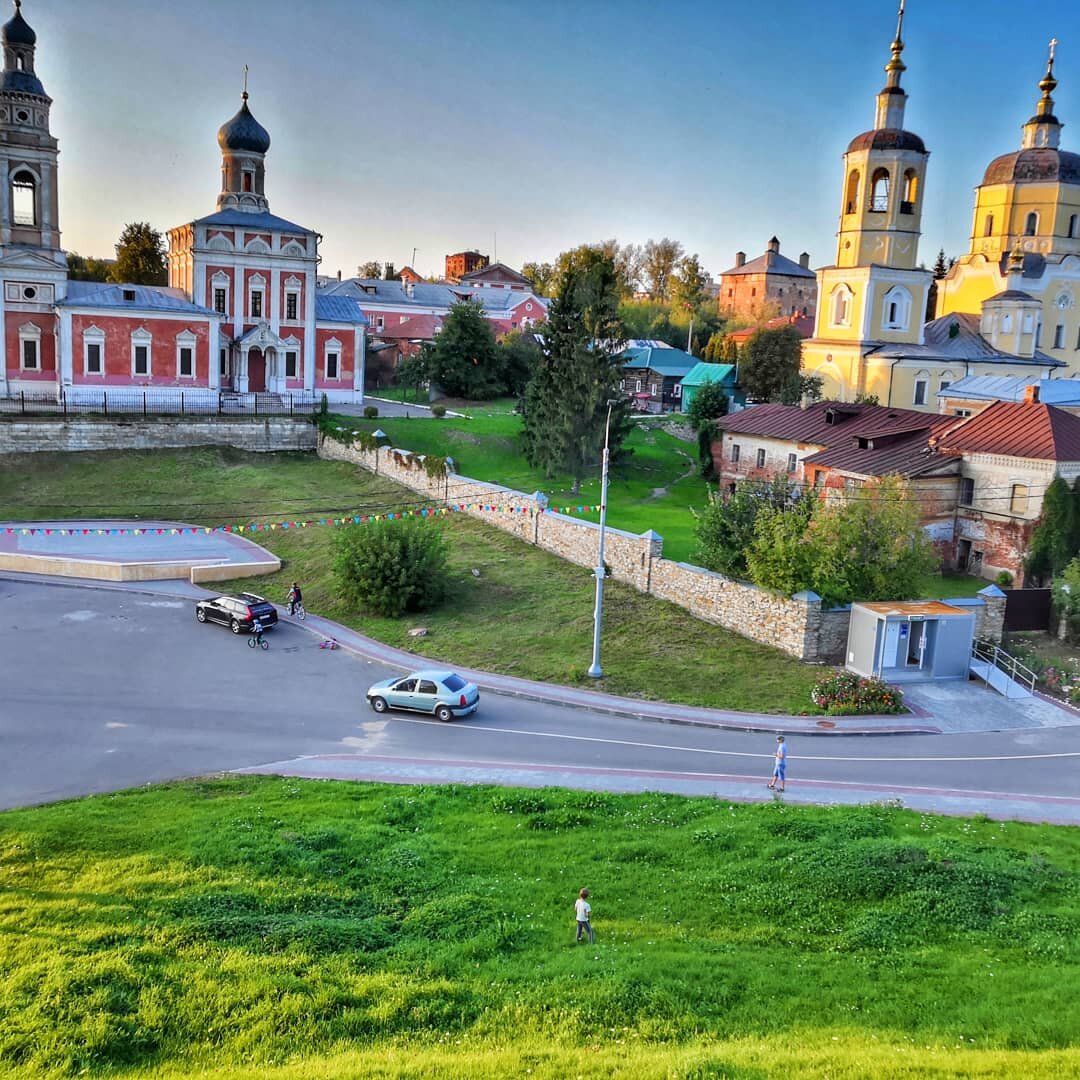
{"x":843,"y":693}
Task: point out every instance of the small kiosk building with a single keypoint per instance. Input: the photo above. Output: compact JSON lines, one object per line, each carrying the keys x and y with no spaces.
{"x":910,"y":640}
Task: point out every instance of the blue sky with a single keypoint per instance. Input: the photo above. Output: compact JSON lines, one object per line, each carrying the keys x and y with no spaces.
{"x":421,"y":123}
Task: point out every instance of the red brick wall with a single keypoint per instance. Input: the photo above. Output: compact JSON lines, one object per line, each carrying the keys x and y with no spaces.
{"x":117,"y":359}
{"x":46,"y":350}
{"x":347,"y":353}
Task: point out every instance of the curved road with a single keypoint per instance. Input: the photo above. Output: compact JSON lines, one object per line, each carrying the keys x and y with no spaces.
{"x":104,"y":689}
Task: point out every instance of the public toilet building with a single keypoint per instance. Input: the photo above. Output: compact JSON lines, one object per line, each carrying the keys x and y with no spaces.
{"x":910,"y":640}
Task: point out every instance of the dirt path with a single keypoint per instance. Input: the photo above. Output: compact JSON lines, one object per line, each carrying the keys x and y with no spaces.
{"x":660,"y":492}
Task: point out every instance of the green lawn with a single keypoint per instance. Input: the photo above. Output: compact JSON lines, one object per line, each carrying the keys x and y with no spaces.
{"x":951,"y":586}
{"x":269,"y":928}
{"x":651,"y":649}
{"x":655,"y":488}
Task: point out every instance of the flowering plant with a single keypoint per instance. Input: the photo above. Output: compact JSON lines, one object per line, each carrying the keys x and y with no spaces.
{"x":843,"y":693}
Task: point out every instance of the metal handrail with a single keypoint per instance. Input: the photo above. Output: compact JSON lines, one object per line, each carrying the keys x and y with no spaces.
{"x":991,"y":654}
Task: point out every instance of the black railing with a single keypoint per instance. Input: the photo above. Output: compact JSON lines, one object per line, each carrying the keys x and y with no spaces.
{"x":156,"y":403}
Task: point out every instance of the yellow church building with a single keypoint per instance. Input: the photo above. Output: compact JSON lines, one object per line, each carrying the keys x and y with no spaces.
{"x":870,"y":338}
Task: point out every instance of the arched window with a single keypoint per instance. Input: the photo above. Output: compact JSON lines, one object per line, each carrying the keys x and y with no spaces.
{"x":1031,"y":226}
{"x":24,"y":198}
{"x":841,"y":306}
{"x":19,"y":62}
{"x":879,"y":191}
{"x":1006,"y":323}
{"x":988,"y":228}
{"x":897,"y":312}
{"x":851,"y":201}
{"x":911,"y":192}
{"x":1074,"y":220}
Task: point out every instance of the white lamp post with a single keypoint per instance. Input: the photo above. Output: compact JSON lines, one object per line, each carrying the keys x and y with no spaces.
{"x":595,"y":670}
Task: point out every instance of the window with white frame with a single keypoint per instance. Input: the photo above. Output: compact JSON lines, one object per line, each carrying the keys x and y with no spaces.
{"x":1018,"y":499}
{"x":736,"y":453}
{"x":841,"y":306}
{"x":93,"y":351}
{"x":24,"y":198}
{"x":921,"y":382}
{"x":223,"y":362}
{"x":897,"y":312}
{"x":947,"y":379}
{"x":290,"y":364}
{"x":1006,"y":323}
{"x":332,"y":359}
{"x":140,"y":353}
{"x":792,"y":462}
{"x":967,"y":491}
{"x":30,"y":347}
{"x":292,"y":299}
{"x":637,"y":386}
{"x":185,"y":355}
{"x":1059,"y":336}
{"x":256,"y":296}
{"x":676,"y":391}
{"x":221,"y":299}
{"x":761,"y":459}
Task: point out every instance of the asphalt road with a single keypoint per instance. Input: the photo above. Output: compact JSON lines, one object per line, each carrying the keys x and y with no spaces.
{"x":102,"y":690}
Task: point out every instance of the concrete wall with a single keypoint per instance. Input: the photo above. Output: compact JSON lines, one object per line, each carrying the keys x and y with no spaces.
{"x":99,"y":570}
{"x":27,"y":435}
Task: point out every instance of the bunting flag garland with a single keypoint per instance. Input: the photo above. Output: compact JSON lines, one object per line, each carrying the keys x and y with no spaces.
{"x":257,"y":526}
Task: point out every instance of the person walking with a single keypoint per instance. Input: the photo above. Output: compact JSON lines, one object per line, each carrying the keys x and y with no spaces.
{"x":296,"y":598}
{"x":583,"y":914}
{"x":779,"y":765}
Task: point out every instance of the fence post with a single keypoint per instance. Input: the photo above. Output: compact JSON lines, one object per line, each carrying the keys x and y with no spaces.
{"x":181,"y":402}
{"x":255,"y":399}
{"x":104,"y":403}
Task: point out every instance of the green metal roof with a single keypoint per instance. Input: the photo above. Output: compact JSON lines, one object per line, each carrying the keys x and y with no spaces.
{"x":709,"y":373}
{"x":666,"y":361}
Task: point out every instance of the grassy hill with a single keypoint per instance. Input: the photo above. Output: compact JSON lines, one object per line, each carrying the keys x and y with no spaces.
{"x":260,"y":927}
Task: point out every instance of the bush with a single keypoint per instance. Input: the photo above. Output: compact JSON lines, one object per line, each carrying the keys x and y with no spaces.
{"x":324,"y":405}
{"x":844,"y":693}
{"x":391,"y":568}
{"x":1004,"y":579}
{"x":438,"y":411}
{"x":370,"y":412}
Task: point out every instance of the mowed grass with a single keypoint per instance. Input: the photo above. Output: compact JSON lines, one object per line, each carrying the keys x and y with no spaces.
{"x":657,"y":486}
{"x":261,"y":927}
{"x":525,"y":613}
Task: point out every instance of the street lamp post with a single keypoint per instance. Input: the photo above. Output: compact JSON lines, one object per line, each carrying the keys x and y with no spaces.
{"x":595,"y":670}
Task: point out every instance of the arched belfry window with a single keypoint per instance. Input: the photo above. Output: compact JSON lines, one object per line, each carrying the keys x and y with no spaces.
{"x":897,"y":312}
{"x":20,"y":62}
{"x":1031,"y":226}
{"x":841,"y":306}
{"x":851,"y":199}
{"x":911,"y":192}
{"x":879,"y":191}
{"x":24,"y":198}
{"x":988,"y":226}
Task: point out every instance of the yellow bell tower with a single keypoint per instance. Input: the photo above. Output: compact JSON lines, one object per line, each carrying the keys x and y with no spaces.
{"x":875,"y":294}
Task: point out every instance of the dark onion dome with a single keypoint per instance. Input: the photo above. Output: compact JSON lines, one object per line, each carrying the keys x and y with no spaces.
{"x":1035,"y":165}
{"x":887,"y":139}
{"x":244,"y":132}
{"x":17,"y":31}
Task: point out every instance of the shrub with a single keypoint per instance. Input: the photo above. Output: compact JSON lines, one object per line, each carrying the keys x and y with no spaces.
{"x":391,"y":568}
{"x":438,"y":411}
{"x":1004,"y":579}
{"x":370,"y":412}
{"x":324,"y":405}
{"x":843,"y":693}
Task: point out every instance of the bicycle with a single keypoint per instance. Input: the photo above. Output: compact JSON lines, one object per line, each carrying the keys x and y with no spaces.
{"x":296,"y":607}
{"x":257,"y":638}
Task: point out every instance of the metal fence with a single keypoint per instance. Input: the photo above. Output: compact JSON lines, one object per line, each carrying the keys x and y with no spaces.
{"x":156,"y":403}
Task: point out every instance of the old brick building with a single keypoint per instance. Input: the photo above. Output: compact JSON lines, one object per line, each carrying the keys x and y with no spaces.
{"x":464,"y":262}
{"x":768,"y":286}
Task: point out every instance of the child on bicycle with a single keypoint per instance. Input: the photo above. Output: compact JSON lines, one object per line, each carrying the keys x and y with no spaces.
{"x":257,"y":630}
{"x":296,"y":598}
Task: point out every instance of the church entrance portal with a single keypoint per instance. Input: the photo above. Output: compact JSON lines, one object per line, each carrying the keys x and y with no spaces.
{"x":256,"y":371}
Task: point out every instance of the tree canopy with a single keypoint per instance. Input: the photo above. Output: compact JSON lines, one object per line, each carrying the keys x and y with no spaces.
{"x":87,"y":268}
{"x":370,"y":270}
{"x":770,"y":367}
{"x":464,"y":359}
{"x":1055,"y":540}
{"x":579,"y":371}
{"x":140,"y":256}
{"x":660,"y":259}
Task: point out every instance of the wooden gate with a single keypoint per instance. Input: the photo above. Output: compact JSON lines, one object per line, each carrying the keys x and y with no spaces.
{"x":1027,"y":609}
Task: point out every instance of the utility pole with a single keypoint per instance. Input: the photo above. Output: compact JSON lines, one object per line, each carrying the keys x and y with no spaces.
{"x":595,"y":670}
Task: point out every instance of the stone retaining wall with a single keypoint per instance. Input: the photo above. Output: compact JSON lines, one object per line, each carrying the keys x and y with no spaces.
{"x":797,"y":624}
{"x":28,"y":435}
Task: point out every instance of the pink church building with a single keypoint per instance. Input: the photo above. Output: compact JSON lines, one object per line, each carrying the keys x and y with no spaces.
{"x":243,"y":312}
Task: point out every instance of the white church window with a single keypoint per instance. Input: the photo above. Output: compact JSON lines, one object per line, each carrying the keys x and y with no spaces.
{"x":1006,"y":323}
{"x":841,"y":306}
{"x":24,"y":198}
{"x":93,"y":351}
{"x":256,"y":295}
{"x":332,"y":359}
{"x":292,"y":299}
{"x":290,"y":364}
{"x":185,"y":355}
{"x":1059,"y":336}
{"x":922,"y":380}
{"x":897,"y":313}
{"x":140,"y":352}
{"x":30,"y":347}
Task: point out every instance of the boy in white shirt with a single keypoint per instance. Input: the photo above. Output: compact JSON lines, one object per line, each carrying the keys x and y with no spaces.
{"x":583,"y":914}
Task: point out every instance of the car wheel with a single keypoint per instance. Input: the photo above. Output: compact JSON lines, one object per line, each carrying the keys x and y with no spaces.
{"x":234,"y":626}
{"x":443,"y":713}
{"x":379,"y":704}
{"x":200,"y":614}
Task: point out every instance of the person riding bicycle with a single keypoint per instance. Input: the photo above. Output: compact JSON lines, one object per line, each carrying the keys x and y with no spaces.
{"x":257,"y":630}
{"x":296,"y":598}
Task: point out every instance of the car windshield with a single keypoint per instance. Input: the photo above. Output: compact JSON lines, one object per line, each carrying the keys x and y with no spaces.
{"x":454,"y":683}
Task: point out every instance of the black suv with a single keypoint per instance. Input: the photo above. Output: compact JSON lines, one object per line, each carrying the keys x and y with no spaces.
{"x":238,"y":613}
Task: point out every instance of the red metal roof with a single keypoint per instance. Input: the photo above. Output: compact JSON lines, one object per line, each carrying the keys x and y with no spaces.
{"x":419,"y":327}
{"x":1019,"y":429}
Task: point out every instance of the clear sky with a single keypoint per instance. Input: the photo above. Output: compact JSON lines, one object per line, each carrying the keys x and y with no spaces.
{"x":441,"y":125}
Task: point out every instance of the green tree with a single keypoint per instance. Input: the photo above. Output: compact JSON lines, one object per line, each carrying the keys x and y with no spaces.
{"x":725,"y":528}
{"x":542,"y":276}
{"x":688,"y":284}
{"x":660,"y":258}
{"x":519,"y":356}
{"x":707,"y":404}
{"x":626,"y":260}
{"x":1054,"y":538}
{"x":770,"y":363}
{"x":779,"y":556}
{"x":579,"y":371}
{"x":370,"y":270}
{"x":140,"y":256}
{"x":83,"y":268}
{"x":464,"y":358}
{"x":391,"y":568}
{"x":415,"y":369}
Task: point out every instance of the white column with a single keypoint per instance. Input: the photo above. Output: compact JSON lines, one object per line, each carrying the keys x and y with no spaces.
{"x":215,"y":355}
{"x":309,"y":331}
{"x":275,"y":300}
{"x":242,"y":374}
{"x":65,"y":372}
{"x":3,"y":345}
{"x":358,"y":364}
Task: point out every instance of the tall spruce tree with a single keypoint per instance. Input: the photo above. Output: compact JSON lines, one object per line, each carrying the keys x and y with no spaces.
{"x":1055,"y":538}
{"x":578,"y":372}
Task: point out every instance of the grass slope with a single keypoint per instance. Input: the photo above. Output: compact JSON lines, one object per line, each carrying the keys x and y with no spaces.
{"x":260,"y":927}
{"x":651,"y":648}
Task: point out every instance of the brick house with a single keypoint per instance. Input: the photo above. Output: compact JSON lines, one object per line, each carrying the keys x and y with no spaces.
{"x":464,"y":262}
{"x":769,"y":282}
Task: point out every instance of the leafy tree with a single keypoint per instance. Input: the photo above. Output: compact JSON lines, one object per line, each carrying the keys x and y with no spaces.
{"x":801,"y":386}
{"x":770,"y":363}
{"x":520,"y":354}
{"x":83,"y":268}
{"x":688,"y":284}
{"x":392,"y":567}
{"x":1054,"y":541}
{"x":140,"y":256}
{"x":658,"y":265}
{"x":464,"y":358}
{"x":370,"y":270}
{"x":725,"y":528}
{"x":866,"y":399}
{"x":779,"y":556}
{"x":415,"y":369}
{"x":1066,"y":592}
{"x":626,"y":260}
{"x":642,"y":318}
{"x":714,"y":348}
{"x":579,"y":371}
{"x":542,"y":276}
{"x":708,"y":403}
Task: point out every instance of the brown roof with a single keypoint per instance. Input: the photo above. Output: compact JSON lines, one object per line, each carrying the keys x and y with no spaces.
{"x":1037,"y":164}
{"x":419,"y":327}
{"x":803,"y":323}
{"x":887,"y":139}
{"x":914,"y":607}
{"x":1019,"y":429}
